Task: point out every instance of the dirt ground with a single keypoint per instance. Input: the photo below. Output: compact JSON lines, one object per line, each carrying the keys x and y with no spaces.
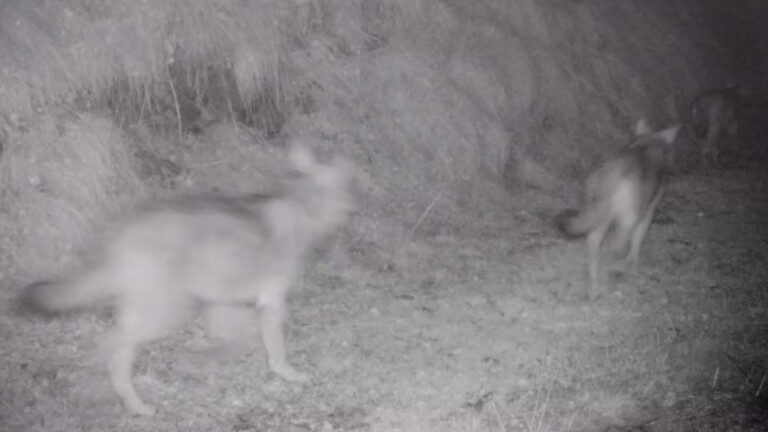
{"x":489,"y":333}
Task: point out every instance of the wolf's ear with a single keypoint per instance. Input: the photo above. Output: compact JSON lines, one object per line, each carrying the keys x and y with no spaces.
{"x":670,"y":134}
{"x":301,"y":157}
{"x":642,"y":128}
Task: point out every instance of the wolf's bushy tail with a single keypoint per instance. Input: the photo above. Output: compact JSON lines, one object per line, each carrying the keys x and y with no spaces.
{"x":577,"y":223}
{"x":57,"y":297}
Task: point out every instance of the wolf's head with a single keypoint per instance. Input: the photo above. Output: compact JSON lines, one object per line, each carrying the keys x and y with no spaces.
{"x":323,"y":189}
{"x":657,"y":146}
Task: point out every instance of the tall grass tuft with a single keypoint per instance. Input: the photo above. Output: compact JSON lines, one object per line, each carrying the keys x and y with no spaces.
{"x":60,"y":181}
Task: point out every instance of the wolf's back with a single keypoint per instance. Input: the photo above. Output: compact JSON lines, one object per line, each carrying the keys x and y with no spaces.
{"x":55,"y":297}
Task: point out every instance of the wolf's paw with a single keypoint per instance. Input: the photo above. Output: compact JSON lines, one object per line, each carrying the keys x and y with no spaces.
{"x":300,"y":377}
{"x":142,"y":409}
{"x":289,"y":373}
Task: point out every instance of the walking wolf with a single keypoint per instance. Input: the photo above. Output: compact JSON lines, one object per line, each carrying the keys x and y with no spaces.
{"x":714,"y":122}
{"x":622,"y":195}
{"x":222,"y":253}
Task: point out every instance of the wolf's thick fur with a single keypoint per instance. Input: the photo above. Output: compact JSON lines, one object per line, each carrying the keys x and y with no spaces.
{"x":222,"y":253}
{"x":622,"y":195}
{"x":714,"y":120}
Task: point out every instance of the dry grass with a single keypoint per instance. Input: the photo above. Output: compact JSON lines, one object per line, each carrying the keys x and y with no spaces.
{"x":78,"y":52}
{"x":173,"y":57}
{"x":60,"y":180}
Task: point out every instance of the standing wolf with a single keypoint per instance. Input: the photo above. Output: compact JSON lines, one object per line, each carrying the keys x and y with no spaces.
{"x":713,"y":120}
{"x":222,"y":253}
{"x":622,"y":195}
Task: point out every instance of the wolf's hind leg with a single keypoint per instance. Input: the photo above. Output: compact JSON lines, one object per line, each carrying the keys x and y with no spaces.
{"x":141,"y":319}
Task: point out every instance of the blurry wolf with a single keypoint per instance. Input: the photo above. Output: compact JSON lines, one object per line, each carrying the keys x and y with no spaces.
{"x":714,"y":118}
{"x":622,"y":195}
{"x":222,"y":253}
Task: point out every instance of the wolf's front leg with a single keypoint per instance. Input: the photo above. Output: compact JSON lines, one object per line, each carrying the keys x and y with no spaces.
{"x":272,"y":312}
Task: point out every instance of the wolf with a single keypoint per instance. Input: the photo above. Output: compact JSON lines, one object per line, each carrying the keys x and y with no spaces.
{"x":621,"y":195}
{"x":714,"y":119}
{"x":167,"y":260}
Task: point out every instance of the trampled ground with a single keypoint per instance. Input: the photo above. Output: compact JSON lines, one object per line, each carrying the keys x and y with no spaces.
{"x":472,"y":330}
